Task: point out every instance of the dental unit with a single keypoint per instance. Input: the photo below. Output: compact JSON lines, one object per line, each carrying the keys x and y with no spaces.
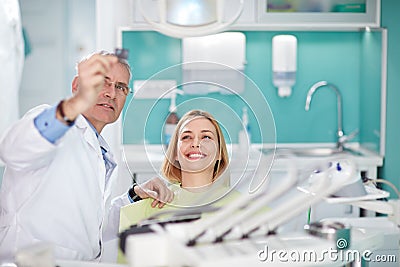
{"x":233,"y":234}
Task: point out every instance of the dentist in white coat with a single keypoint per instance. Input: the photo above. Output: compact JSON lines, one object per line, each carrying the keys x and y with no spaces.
{"x":58,"y":177}
{"x":11,"y":61}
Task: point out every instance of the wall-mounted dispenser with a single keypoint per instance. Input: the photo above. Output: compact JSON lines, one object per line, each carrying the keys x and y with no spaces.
{"x":284,"y":61}
{"x":217,"y":59}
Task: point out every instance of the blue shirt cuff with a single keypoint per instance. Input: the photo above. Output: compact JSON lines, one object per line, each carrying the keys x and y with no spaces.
{"x":49,"y":126}
{"x":130,"y":199}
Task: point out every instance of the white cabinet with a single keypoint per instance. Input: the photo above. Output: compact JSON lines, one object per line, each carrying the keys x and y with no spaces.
{"x":267,"y":15}
{"x":314,"y":15}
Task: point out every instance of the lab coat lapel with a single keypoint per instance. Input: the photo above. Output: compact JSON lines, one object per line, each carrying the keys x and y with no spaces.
{"x":89,"y":135}
{"x":108,"y":159}
{"x":93,"y":142}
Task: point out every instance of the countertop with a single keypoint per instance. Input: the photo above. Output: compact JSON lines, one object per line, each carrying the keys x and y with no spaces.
{"x":63,"y":263}
{"x":148,"y":159}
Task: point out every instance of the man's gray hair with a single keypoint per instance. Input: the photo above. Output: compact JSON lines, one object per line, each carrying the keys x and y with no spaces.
{"x":122,"y":61}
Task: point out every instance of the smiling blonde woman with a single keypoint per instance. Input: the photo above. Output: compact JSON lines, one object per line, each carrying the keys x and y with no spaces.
{"x":197,"y":153}
{"x":196,"y":166}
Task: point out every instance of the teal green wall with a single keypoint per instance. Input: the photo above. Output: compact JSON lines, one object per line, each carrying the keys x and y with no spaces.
{"x":370,"y":79}
{"x":390,"y":20}
{"x":332,"y":56}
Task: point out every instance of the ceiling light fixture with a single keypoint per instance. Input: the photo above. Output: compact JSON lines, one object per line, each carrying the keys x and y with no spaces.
{"x":189,"y":18}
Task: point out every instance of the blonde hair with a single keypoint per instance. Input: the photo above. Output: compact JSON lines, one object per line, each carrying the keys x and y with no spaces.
{"x":171,"y":168}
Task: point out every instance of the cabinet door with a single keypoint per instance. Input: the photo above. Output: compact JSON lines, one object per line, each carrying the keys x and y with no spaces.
{"x":335,"y":14}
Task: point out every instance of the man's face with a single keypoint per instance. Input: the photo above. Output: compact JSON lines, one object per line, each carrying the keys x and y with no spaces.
{"x":110,"y":100}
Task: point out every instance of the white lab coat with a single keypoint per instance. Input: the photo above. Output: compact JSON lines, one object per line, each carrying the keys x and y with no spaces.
{"x":11,"y":61}
{"x":54,"y":192}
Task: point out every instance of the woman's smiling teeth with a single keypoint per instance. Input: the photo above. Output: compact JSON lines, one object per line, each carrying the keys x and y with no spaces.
{"x":196,"y":155}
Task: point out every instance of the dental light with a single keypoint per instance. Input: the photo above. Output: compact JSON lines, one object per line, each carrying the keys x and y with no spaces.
{"x":188,"y":18}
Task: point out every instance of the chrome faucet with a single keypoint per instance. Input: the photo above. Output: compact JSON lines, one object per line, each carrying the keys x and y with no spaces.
{"x":341,"y":138}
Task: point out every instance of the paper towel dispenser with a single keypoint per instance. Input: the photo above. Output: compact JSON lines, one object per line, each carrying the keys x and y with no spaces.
{"x":214,"y":63}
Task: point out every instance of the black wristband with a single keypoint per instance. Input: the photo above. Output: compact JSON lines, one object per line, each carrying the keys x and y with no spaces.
{"x":132,"y":194}
{"x":61,"y":110}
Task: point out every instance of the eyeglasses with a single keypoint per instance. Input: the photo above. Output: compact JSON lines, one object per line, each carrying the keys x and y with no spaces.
{"x":121,"y":88}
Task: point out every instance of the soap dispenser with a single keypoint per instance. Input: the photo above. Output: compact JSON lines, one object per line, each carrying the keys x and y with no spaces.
{"x":172,"y":119}
{"x":284,"y":63}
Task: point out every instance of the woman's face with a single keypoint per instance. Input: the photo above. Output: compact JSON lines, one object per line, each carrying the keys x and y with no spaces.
{"x":198,"y":148}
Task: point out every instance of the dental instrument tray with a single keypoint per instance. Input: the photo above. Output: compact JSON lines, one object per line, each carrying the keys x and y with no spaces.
{"x":180,"y":216}
{"x":145,"y":226}
{"x":373,"y":193}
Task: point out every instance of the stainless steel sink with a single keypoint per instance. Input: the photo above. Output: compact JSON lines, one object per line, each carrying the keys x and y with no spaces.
{"x":312,"y":152}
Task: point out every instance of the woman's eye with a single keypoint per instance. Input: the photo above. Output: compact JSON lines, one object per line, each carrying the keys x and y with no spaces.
{"x":185,"y":137}
{"x":207,"y":137}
